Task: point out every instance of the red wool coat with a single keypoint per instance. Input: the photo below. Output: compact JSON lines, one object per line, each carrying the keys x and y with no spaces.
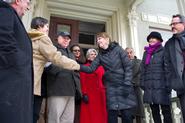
{"x":92,"y":85}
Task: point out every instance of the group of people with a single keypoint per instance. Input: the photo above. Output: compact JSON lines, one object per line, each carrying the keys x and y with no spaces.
{"x":112,"y":89}
{"x":162,"y":69}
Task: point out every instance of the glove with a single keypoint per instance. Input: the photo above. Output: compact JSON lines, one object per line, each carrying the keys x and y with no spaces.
{"x":85,"y":98}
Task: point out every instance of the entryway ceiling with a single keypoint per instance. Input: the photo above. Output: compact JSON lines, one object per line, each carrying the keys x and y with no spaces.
{"x":86,"y":9}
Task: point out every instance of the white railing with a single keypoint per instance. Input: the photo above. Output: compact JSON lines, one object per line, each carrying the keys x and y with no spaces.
{"x":176,"y":112}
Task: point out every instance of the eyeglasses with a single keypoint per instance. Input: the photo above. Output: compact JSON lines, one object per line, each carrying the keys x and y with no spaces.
{"x":76,"y":50}
{"x":175,"y":23}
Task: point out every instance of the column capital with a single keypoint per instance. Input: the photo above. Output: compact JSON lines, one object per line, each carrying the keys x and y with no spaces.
{"x":133,"y":17}
{"x":135,"y":4}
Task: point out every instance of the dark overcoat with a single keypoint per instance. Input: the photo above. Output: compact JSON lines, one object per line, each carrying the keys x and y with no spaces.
{"x":153,"y":80}
{"x":60,"y":81}
{"x":174,"y":63}
{"x":16,"y":78}
{"x":117,"y":78}
{"x":136,"y":82}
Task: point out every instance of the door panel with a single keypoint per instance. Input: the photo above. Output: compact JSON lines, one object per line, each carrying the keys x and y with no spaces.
{"x":60,"y":24}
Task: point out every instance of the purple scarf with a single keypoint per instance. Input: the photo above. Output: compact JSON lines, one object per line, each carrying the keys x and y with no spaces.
{"x":150,"y":49}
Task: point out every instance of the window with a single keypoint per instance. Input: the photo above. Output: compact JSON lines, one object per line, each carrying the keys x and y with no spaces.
{"x":85,"y":38}
{"x":87,"y":34}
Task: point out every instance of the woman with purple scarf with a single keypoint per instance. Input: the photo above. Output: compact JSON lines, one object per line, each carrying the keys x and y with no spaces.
{"x":157,"y":92}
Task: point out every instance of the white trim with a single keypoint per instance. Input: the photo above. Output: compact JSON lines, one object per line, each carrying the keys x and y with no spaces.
{"x":73,"y":4}
{"x":160,"y":19}
{"x":90,"y":12}
{"x":80,"y":16}
{"x":181,"y":6}
{"x":112,"y":16}
{"x":84,"y":7}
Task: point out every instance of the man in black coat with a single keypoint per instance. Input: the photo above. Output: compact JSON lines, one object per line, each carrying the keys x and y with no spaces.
{"x":62,"y":84}
{"x":139,"y":112}
{"x":175,"y":59}
{"x":15,"y":64}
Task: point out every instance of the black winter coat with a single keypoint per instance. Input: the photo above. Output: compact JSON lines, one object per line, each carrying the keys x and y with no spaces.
{"x":16,"y":73}
{"x":62,"y":82}
{"x":117,"y":77}
{"x":136,"y":82}
{"x":174,"y":63}
{"x":153,"y":80}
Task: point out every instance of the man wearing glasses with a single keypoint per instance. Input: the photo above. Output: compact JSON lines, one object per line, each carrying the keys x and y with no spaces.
{"x":175,"y":59}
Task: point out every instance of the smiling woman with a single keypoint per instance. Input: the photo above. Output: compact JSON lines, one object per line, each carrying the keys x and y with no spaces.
{"x":117,"y":78}
{"x":78,"y":53}
{"x":44,"y":51}
{"x":93,"y":105}
{"x":153,"y":80}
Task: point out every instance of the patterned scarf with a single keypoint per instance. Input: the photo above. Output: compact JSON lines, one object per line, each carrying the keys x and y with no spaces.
{"x":150,"y":49}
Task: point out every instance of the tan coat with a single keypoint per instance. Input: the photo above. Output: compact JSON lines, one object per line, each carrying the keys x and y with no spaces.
{"x":44,"y":51}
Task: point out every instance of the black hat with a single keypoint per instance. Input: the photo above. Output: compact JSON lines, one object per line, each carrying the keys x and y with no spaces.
{"x":63,"y":34}
{"x":156,"y":35}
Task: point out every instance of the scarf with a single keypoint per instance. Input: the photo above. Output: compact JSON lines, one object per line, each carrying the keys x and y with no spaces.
{"x":181,"y":39}
{"x":150,"y":49}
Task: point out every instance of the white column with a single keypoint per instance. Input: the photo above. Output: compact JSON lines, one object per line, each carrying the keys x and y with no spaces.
{"x":133,"y":17}
{"x":181,"y":6}
{"x":29,"y":15}
{"x":41,"y":9}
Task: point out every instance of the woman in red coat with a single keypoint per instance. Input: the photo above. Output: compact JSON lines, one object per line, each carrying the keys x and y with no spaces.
{"x":93,"y":106}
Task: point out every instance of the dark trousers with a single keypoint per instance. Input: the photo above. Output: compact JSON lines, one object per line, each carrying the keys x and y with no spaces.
{"x":166,"y":111}
{"x":37,"y":107}
{"x":126,"y":116}
{"x":139,"y":119}
{"x":182,"y":103}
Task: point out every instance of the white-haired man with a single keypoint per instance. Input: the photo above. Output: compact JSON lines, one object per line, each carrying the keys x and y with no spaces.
{"x":15,"y":64}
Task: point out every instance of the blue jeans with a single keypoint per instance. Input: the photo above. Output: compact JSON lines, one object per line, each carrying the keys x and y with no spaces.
{"x":126,"y":116}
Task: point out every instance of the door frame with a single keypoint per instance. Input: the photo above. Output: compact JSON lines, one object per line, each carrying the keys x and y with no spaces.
{"x":55,"y":21}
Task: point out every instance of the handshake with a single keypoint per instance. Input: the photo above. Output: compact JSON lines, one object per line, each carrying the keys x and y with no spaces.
{"x":85,"y":98}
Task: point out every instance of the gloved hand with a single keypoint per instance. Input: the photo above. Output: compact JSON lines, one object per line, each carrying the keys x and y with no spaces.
{"x":85,"y":98}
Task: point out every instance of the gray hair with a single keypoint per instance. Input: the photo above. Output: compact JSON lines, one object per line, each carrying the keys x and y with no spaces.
{"x":129,"y":48}
{"x":89,"y":51}
{"x":181,"y":17}
{"x":9,"y":1}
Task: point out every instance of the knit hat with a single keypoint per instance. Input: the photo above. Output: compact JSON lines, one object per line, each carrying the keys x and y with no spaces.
{"x":156,"y":35}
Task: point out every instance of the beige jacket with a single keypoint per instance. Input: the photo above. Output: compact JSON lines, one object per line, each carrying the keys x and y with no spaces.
{"x":44,"y":51}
